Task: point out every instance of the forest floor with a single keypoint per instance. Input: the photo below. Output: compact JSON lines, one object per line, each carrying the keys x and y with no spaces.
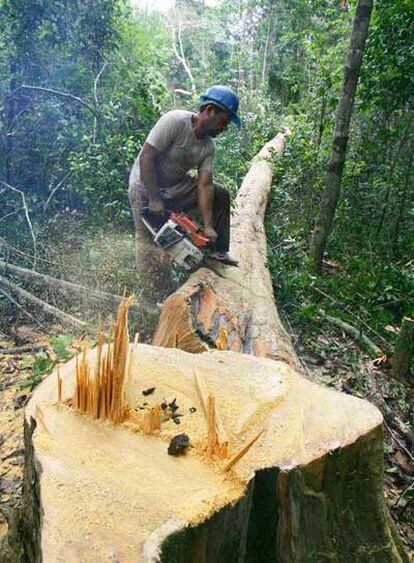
{"x":328,"y":356}
{"x":333,"y":359}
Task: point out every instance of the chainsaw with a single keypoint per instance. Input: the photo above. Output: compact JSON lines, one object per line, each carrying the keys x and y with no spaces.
{"x":179,"y":235}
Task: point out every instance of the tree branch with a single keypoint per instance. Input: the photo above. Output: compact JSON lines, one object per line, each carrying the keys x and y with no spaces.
{"x":95,"y":96}
{"x":46,"y":307}
{"x":18,"y":350}
{"x":56,"y":93}
{"x":26,"y":212}
{"x":55,"y":189}
{"x":351,"y":330}
{"x":17,"y":304}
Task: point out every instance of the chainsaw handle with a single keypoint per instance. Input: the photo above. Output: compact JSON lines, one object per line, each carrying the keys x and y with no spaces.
{"x":145,"y":210}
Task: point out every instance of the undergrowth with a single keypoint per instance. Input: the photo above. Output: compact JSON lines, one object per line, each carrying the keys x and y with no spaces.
{"x":362,"y":285}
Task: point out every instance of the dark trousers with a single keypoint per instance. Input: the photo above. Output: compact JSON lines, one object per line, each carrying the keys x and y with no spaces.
{"x":188,"y":203}
{"x":221,"y":217}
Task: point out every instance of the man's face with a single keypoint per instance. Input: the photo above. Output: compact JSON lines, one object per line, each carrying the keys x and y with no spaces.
{"x":216,"y":122}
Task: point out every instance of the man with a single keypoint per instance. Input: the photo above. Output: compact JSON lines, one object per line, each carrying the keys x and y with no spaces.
{"x":180,"y":142}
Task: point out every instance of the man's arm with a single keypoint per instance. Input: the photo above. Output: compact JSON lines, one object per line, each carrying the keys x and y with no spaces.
{"x":147,"y":162}
{"x":205,"y":203}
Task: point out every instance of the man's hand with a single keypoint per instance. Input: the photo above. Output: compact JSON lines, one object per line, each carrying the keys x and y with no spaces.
{"x":210,"y":233}
{"x":156,"y":206}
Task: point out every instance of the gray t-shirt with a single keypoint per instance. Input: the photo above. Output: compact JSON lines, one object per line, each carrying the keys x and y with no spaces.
{"x":180,"y":151}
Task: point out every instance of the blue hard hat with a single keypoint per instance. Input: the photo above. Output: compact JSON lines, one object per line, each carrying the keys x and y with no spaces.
{"x":224,"y":98}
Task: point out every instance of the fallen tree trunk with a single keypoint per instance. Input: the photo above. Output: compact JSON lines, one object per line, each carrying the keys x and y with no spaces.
{"x":46,"y":307}
{"x":233,"y":308}
{"x":69,"y":286}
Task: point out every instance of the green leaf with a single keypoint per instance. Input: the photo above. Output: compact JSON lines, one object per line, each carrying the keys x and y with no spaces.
{"x":30,"y":382}
{"x":61,"y":346}
{"x":27,"y":362}
{"x":393,"y":469}
{"x":43,"y":366}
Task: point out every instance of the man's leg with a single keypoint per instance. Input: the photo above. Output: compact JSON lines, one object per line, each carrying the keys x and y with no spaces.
{"x":153,"y":264}
{"x":221,"y":217}
{"x":221,"y":212}
{"x":135,"y":200}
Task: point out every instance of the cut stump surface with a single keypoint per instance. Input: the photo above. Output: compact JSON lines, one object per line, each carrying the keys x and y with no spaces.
{"x":95,"y":492}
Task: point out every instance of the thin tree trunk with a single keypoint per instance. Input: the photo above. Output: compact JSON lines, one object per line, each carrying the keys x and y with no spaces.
{"x":265,"y":52}
{"x":403,"y":200}
{"x":324,"y":220}
{"x":10,"y":104}
{"x":404,"y":349}
{"x":321,"y":124}
{"x":181,"y":57}
{"x":241,"y":73}
{"x":393,"y":164}
{"x":204,"y":64}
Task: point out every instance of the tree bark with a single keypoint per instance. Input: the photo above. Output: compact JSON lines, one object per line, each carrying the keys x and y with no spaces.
{"x":404,"y":350}
{"x":324,"y":219}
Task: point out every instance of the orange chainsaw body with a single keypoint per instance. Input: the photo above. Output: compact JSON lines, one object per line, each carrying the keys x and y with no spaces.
{"x":193,"y":230}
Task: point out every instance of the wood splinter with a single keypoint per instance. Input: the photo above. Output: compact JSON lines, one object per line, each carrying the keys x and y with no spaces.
{"x":243,"y":451}
{"x":217,"y":441}
{"x":212,"y":439}
{"x":102,"y":394}
{"x":59,"y":386}
{"x":152,"y":420}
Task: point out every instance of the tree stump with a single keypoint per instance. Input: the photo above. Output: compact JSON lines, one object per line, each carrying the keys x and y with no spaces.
{"x":309,"y":489}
